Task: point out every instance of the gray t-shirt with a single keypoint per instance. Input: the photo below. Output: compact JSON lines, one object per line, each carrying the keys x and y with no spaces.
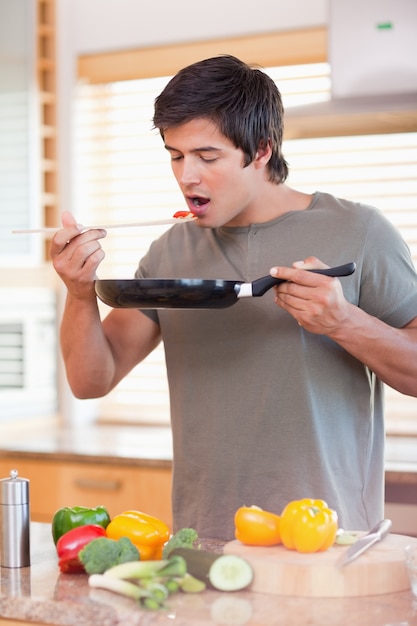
{"x":262,"y":411}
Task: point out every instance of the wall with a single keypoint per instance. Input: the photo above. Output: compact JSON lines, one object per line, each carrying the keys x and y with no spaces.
{"x":100,"y":25}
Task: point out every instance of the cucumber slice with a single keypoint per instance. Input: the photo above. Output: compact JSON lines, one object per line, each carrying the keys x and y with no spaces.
{"x":224,"y":572}
{"x":345,"y":539}
{"x":230,"y":572}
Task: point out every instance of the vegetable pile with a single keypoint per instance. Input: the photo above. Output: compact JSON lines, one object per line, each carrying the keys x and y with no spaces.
{"x":148,"y":582}
{"x":306,"y":525}
{"x":134,"y":555}
{"x":188,"y":570}
{"x":87,"y":540}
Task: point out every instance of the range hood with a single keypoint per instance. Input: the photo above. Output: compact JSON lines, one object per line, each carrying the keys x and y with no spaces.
{"x":372,"y":47}
{"x":372,"y":51}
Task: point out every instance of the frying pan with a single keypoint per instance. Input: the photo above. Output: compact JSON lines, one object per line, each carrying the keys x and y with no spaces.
{"x":191,"y":293}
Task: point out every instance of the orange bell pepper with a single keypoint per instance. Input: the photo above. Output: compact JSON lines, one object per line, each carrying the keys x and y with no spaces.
{"x":308,"y":525}
{"x":256,"y":527}
{"x":146,"y":532}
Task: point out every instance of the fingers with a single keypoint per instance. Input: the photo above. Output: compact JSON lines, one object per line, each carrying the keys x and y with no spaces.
{"x":76,"y":254}
{"x":310,"y":263}
{"x":296,"y":276}
{"x":70,"y":230}
{"x":311,"y":299}
{"x":81,"y":253}
{"x":68,"y":219}
{"x":292,"y":274}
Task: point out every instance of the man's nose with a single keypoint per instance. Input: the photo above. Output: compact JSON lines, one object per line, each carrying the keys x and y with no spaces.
{"x":190,"y":173}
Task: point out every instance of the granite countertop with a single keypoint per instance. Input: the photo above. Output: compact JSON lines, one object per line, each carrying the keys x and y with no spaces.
{"x":139,"y":445}
{"x":108,"y":443}
{"x":41,"y":594}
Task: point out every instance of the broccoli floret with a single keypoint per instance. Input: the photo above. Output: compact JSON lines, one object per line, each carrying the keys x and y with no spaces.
{"x":183,"y":538}
{"x":103,"y":553}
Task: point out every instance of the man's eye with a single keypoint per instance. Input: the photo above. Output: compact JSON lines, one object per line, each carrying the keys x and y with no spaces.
{"x":208,"y":159}
{"x":176,"y":158}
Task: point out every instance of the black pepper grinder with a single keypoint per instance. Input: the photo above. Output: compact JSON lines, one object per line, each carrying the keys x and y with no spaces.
{"x":14,"y":521}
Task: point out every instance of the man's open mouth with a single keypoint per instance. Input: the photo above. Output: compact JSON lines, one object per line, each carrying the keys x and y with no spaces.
{"x":198,"y":201}
{"x":197,"y":204}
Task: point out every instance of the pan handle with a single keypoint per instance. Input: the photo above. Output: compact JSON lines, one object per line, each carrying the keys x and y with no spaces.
{"x":261,"y":285}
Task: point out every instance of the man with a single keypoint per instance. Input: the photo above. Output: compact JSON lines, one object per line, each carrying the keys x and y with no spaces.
{"x":276,"y":398}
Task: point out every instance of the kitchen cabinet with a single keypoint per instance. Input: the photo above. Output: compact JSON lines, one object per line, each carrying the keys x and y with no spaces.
{"x":119,"y":487}
{"x":401,"y":501}
{"x":13,"y":622}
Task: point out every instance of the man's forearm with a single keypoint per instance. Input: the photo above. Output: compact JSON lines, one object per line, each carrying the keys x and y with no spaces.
{"x":391,"y":353}
{"x":86,"y":352}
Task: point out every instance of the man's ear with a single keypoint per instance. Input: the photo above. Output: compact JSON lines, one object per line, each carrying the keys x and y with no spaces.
{"x":263,"y":154}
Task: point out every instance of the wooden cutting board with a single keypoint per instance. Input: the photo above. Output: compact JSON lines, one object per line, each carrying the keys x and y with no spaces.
{"x":288,"y":573}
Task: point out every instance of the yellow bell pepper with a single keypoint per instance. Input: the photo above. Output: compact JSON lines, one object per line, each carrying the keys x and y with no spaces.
{"x":308,"y":525}
{"x":146,"y":532}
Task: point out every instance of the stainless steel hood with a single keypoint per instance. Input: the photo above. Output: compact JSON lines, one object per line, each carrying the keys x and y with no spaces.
{"x":395,"y":113}
{"x":372,"y":47}
{"x":372,"y":51}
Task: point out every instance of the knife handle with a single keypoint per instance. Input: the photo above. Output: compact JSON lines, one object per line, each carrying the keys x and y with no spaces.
{"x":382,"y":528}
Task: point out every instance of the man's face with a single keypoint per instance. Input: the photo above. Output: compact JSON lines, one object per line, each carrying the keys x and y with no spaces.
{"x":209,"y":171}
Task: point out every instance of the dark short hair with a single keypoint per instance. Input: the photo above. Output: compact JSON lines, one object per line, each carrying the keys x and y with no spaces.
{"x":243,"y":101}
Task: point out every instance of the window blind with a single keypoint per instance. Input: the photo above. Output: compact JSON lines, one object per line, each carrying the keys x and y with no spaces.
{"x":380,"y":170}
{"x":19,"y":158}
{"x":123,"y":174}
{"x":11,"y":356}
{"x":28,"y":349}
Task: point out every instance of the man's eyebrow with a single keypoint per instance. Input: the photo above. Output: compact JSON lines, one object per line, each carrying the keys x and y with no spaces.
{"x":202,"y":149}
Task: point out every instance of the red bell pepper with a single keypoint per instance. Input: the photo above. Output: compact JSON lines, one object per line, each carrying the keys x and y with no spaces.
{"x":72,"y":542}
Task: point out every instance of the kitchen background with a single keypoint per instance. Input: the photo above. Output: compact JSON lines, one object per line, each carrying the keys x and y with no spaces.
{"x":55,"y":57}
